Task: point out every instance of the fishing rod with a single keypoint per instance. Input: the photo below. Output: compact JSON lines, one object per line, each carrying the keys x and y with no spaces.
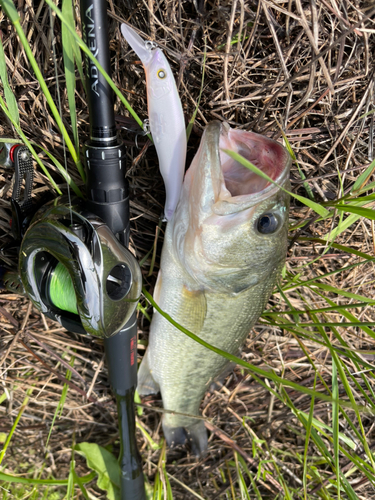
{"x":73,"y":261}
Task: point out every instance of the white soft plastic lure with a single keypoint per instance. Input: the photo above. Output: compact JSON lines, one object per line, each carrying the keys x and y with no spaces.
{"x":166,"y":118}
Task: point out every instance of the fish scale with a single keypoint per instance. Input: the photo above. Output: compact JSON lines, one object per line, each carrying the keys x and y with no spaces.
{"x":216,"y":275}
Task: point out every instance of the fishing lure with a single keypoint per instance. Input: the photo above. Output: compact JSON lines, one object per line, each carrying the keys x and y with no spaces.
{"x":166,"y":118}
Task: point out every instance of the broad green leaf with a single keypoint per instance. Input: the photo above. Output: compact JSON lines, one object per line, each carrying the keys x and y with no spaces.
{"x":105,"y":464}
{"x":319,"y":209}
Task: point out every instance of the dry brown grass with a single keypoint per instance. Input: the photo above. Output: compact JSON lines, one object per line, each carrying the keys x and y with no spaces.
{"x":308,"y":66}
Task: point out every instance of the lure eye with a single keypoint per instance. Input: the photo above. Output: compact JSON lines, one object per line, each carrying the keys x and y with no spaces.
{"x":162,"y":74}
{"x":267,"y":224}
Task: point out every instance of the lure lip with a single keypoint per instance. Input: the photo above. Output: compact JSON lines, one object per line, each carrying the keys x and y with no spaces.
{"x":140,"y":47}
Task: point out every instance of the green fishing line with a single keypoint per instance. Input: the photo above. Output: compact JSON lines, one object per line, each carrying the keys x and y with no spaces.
{"x":61,"y":289}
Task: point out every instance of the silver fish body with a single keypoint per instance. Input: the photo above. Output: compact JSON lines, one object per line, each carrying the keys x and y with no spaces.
{"x":222,"y":254}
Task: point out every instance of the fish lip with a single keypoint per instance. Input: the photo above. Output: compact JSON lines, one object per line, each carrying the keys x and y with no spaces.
{"x":228,"y":204}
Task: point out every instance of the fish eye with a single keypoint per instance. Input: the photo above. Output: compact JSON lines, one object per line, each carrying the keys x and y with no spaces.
{"x":162,"y":74}
{"x":267,"y":224}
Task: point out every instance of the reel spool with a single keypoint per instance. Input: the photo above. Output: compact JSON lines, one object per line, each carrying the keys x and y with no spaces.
{"x":76,"y":272}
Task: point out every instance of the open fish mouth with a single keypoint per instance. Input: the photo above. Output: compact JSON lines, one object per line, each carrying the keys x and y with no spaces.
{"x":266,"y":154}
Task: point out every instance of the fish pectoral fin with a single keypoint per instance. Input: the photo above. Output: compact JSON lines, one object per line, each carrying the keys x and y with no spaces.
{"x":146,"y":383}
{"x":157,"y":289}
{"x":194,"y":309}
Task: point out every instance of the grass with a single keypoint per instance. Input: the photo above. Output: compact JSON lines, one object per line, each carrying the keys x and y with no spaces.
{"x":295,"y":419}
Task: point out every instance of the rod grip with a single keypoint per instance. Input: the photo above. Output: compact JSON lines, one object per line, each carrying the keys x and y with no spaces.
{"x":121,"y":353}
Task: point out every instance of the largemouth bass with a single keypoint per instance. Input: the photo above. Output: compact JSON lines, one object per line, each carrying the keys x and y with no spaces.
{"x":223,"y":251}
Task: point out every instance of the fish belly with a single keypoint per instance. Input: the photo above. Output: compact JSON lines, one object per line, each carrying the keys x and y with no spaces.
{"x":180,"y":367}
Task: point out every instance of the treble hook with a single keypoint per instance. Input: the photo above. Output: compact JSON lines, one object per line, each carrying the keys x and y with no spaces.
{"x":145,"y":130}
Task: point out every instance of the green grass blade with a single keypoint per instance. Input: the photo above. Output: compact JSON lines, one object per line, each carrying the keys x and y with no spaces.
{"x":14,"y":426}
{"x":319,"y":209}
{"x":78,"y":480}
{"x":343,"y":293}
{"x":318,"y":310}
{"x":8,"y":94}
{"x":369,"y":213}
{"x":29,"y":145}
{"x":240,"y":479}
{"x":252,"y":481}
{"x":343,"y":248}
{"x":349,"y":221}
{"x":350,"y":395}
{"x":69,"y":55}
{"x":88,"y":52}
{"x":348,"y":489}
{"x":363,"y":178}
{"x":254,"y":369}
{"x":62,"y":171}
{"x":306,"y":185}
{"x":154,"y":446}
{"x":60,"y":405}
{"x":308,"y":434}
{"x":70,"y":485}
{"x":47,"y":482}
{"x":313,"y":281}
{"x":335,"y":424}
{"x":12,"y":13}
{"x":192,"y":119}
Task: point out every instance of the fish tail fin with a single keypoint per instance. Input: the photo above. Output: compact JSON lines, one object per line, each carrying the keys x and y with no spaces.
{"x":194,"y":433}
{"x":146,"y":382}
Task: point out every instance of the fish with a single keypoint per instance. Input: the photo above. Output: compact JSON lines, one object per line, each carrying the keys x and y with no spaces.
{"x":223,"y":252}
{"x":166,"y":117}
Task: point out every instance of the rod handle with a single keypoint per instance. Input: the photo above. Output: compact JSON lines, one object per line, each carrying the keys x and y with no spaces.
{"x":121,"y":354}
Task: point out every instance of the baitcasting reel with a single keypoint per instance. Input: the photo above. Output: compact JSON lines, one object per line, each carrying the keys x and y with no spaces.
{"x":76,"y":272}
{"x":71,"y":265}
